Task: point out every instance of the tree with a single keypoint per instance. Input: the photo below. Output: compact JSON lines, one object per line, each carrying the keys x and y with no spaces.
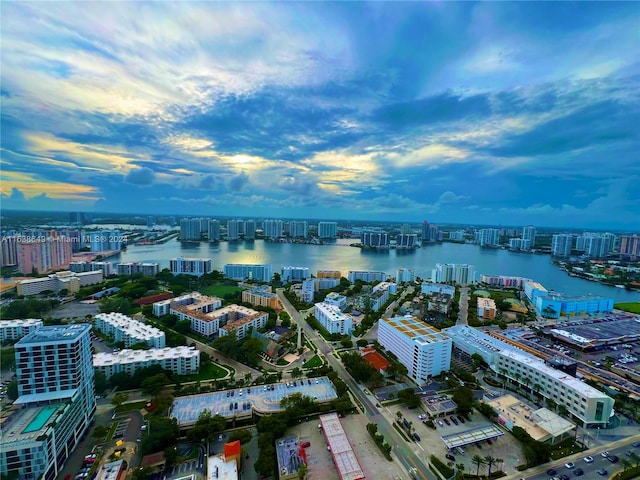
{"x":99,"y":432}
{"x":463,"y":396}
{"x":296,"y":372}
{"x":251,"y":348}
{"x":119,"y":398}
{"x":477,"y":360}
{"x":362,"y":342}
{"x":409,"y":397}
{"x":206,"y":427}
{"x":243,"y":435}
{"x":302,"y":472}
{"x":346,"y":342}
{"x":12,"y":390}
{"x":170,"y":456}
{"x":154,"y":385}
{"x":478,"y":461}
{"x":490,"y":461}
{"x":183,"y":326}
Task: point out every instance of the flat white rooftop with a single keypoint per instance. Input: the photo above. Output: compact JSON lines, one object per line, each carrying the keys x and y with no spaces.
{"x":218,"y":469}
{"x":130,"y":326}
{"x":133,"y":356}
{"x":343,"y":455}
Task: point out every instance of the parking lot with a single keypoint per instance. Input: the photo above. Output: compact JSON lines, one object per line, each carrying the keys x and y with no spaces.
{"x":241,"y":401}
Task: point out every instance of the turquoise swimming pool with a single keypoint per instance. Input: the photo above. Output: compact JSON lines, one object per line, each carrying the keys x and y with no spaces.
{"x":40,"y":419}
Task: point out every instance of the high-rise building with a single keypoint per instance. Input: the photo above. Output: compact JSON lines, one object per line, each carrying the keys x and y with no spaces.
{"x":457,"y":235}
{"x":425,"y":231}
{"x":423,"y":349}
{"x":407,"y":241}
{"x":232,"y":230}
{"x":489,"y":237}
{"x":332,"y":319}
{"x":294,"y":274}
{"x":298,"y":229}
{"x":104,"y":240}
{"x":190,"y":266}
{"x":55,"y":387}
{"x":630,"y":245}
{"x":529,"y":233}
{"x":272,"y":228}
{"x":44,"y":254}
{"x":561,"y":245}
{"x":250,"y":229}
{"x":327,"y":230}
{"x":214,"y":230}
{"x":375,"y":239}
{"x":150,"y":221}
{"x":190,"y":229}
{"x":9,"y":251}
{"x":595,"y":244}
{"x":243,"y":271}
{"x":463,"y":274}
{"x":405,"y":275}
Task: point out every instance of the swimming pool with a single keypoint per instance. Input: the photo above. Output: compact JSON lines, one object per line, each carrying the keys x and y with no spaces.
{"x":40,"y":419}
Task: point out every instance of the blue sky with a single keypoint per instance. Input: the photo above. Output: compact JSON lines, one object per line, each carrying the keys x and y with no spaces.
{"x":494,"y":113}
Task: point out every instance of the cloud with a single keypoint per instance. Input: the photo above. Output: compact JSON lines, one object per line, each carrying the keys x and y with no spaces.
{"x":141,"y":176}
{"x":238,"y":182}
{"x":450,"y":197}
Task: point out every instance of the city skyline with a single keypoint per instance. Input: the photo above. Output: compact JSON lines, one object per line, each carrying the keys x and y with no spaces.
{"x":460,"y":113}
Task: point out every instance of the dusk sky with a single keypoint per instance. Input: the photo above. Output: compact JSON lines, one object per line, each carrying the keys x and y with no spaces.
{"x":494,"y":113}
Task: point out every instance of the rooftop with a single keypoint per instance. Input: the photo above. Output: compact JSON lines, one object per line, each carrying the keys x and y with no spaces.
{"x":130,"y":326}
{"x":219,"y":469}
{"x":343,"y":455}
{"x":415,"y":329}
{"x":24,"y":322}
{"x":536,"y":285}
{"x":133,"y":356}
{"x":55,"y":333}
{"x":288,"y":453}
{"x":110,"y":471}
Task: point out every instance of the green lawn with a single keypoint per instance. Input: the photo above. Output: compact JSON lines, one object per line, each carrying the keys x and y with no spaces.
{"x":220,"y":290}
{"x":313,"y":362}
{"x":127,"y":407}
{"x":210,"y":371}
{"x":498,"y":295}
{"x":633,"y":307}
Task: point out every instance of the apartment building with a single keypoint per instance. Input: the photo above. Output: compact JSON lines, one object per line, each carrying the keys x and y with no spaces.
{"x":457,"y":235}
{"x":529,"y":233}
{"x":406,"y":241}
{"x":11,"y":330}
{"x":405,"y":275}
{"x":561,"y":245}
{"x":630,"y":245}
{"x":273,"y":228}
{"x":59,"y":281}
{"x":213,"y":230}
{"x":380,"y":294}
{"x":489,"y":237}
{"x":308,"y":290}
{"x":486,"y":308}
{"x":556,"y":305}
{"x":366,"y":276}
{"x":55,"y":388}
{"x":239,"y":319}
{"x":190,"y":266}
{"x":423,"y":349}
{"x":190,"y":229}
{"x":149,"y":269}
{"x":294,"y":274}
{"x":261,"y":296}
{"x":337,"y":300}
{"x":233,"y":230}
{"x":332,"y":319}
{"x":244,"y":271}
{"x":43,"y":254}
{"x":329,"y":274}
{"x":533,"y":290}
{"x":125,"y":329}
{"x":180,"y":360}
{"x":459,"y":273}
{"x":187,"y":303}
{"x":504,"y":281}
{"x":249,"y":229}
{"x":375,"y":239}
{"x":327,"y":230}
{"x":9,"y":251}
{"x":298,"y":229}
{"x":439,"y":288}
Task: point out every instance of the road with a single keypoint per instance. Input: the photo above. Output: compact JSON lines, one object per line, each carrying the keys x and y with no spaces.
{"x":400,"y":448}
{"x":618,"y":448}
{"x":464,"y":306}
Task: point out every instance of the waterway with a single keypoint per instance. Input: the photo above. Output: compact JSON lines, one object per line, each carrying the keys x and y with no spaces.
{"x":340,"y":256}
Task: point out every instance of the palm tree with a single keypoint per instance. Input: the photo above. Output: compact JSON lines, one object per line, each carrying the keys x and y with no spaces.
{"x":499,"y":461}
{"x":635,"y":458}
{"x":490,"y":461}
{"x":460,"y":470}
{"x":478,"y":460}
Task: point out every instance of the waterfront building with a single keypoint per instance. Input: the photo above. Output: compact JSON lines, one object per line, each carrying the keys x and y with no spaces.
{"x":244,"y":271}
{"x":561,"y":245}
{"x":366,"y":276}
{"x":504,"y":281}
{"x":332,"y":319}
{"x":486,"y":308}
{"x":329,"y":274}
{"x":294,"y":274}
{"x":194,"y":302}
{"x":11,"y":330}
{"x":327,"y":230}
{"x":180,"y":360}
{"x":79,"y":267}
{"x":104,"y":240}
{"x":429,"y":288}
{"x":190,"y":266}
{"x":529,"y":233}
{"x":430,"y":233}
{"x":423,"y":349}
{"x":261,"y":296}
{"x":405,"y":275}
{"x":190,"y":229}
{"x":556,"y":305}
{"x":308,"y":290}
{"x":44,"y":254}
{"x":9,"y":251}
{"x":407,"y":240}
{"x":594,"y":244}
{"x":298,"y":229}
{"x":337,"y":300}
{"x":58,"y":281}
{"x":405,"y":229}
{"x":55,"y":388}
{"x":588,"y":405}
{"x":273,"y":229}
{"x":519,"y":244}
{"x":213,"y":230}
{"x":460,"y":273}
{"x":489,"y":237}
{"x":136,"y":268}
{"x":250,"y":230}
{"x":375,"y":239}
{"x":630,"y":245}
{"x":533,"y":290}
{"x":129,"y":331}
{"x":233,"y":233}
{"x":457,"y":235}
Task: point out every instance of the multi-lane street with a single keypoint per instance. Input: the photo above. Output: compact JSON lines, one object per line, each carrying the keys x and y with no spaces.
{"x":401,"y":450}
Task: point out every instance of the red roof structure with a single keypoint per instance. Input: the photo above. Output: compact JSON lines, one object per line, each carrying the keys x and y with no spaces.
{"x":376,"y":360}
{"x":232,"y":449}
{"x":153,"y":298}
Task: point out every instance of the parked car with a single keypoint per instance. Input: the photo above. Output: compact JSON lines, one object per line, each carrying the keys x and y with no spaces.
{"x":578,"y":472}
{"x":569,"y":465}
{"x":453,"y":419}
{"x":564,"y":476}
{"x":461,"y":418}
{"x":628,"y":453}
{"x":605,"y":454}
{"x":489,"y":441}
{"x":588,"y":459}
{"x":446,"y":421}
{"x":551,"y":472}
{"x":613,"y":458}
{"x":636,"y":444}
{"x":448,"y":456}
{"x":416,"y":437}
{"x":305,"y":444}
{"x":602,"y":471}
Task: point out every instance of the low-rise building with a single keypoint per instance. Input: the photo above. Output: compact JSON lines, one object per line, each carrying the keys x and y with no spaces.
{"x":291,"y":456}
{"x":308,"y":290}
{"x":244,"y":271}
{"x":423,"y":349}
{"x":344,"y":458}
{"x":261,"y":296}
{"x":332,"y":319}
{"x":55,"y":282}
{"x":486,"y":308}
{"x":430,"y":288}
{"x":240,"y":320}
{"x":366,"y":276}
{"x":294,"y":274}
{"x":329,"y":274}
{"x":181,"y":360}
{"x":556,"y":305}
{"x":16,"y":329}
{"x":134,"y":268}
{"x":405,"y":275}
{"x":188,"y":303}
{"x":129,"y":331}
{"x":380,"y":294}
{"x":334,"y":298}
